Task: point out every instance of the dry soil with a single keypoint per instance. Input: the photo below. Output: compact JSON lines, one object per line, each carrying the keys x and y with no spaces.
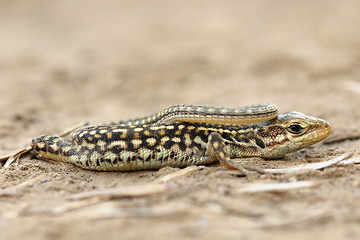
{"x":65,"y":62}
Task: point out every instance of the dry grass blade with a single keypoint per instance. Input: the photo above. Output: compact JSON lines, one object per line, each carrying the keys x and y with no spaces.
{"x":6,"y":157}
{"x":350,"y":161}
{"x":109,"y":210}
{"x":315,"y":214}
{"x":277,"y":187}
{"x":11,"y":191}
{"x":10,"y":158}
{"x":14,"y":157}
{"x":179,"y":173}
{"x":234,"y":164}
{"x":73,"y":128}
{"x":310,"y":166}
{"x":344,"y":135}
{"x":127,"y":191}
{"x":74,"y":206}
{"x":8,"y":192}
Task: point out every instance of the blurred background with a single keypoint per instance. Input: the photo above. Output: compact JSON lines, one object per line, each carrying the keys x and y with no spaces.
{"x":63,"y":62}
{"x":108,"y":60}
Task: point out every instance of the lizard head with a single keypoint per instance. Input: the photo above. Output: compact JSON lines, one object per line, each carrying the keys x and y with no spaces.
{"x":290,"y":132}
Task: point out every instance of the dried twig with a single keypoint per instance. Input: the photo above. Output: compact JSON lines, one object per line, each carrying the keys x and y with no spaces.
{"x":110,"y":210}
{"x":73,"y":206}
{"x":179,"y":173}
{"x":350,"y":161}
{"x":126,"y":191}
{"x":344,"y":135}
{"x":73,"y":128}
{"x":276,"y":187}
{"x":314,"y":214}
{"x":14,"y":157}
{"x":310,"y":166}
{"x":10,"y":158}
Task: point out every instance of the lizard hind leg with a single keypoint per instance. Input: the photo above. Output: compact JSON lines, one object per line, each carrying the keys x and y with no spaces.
{"x":218,"y":149}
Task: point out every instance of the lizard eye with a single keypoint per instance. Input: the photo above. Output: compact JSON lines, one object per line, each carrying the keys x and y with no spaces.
{"x":295,"y":128}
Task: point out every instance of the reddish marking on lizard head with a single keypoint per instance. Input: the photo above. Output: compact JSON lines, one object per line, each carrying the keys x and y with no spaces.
{"x":290,"y":132}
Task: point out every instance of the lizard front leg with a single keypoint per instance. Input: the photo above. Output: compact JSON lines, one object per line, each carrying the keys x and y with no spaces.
{"x":217,"y":149}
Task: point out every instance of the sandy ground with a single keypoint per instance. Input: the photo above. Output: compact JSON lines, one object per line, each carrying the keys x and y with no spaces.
{"x":65,"y":62}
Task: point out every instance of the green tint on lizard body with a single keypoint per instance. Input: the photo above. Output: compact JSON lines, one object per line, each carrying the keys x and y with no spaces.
{"x":117,"y":147}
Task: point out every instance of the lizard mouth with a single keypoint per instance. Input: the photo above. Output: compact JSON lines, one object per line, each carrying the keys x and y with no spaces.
{"x":322,"y":130}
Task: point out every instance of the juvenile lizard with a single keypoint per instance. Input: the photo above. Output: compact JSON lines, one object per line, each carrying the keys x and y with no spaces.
{"x":185,"y":135}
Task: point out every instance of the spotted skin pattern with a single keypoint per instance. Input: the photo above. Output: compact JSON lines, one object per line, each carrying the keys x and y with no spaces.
{"x":117,"y":147}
